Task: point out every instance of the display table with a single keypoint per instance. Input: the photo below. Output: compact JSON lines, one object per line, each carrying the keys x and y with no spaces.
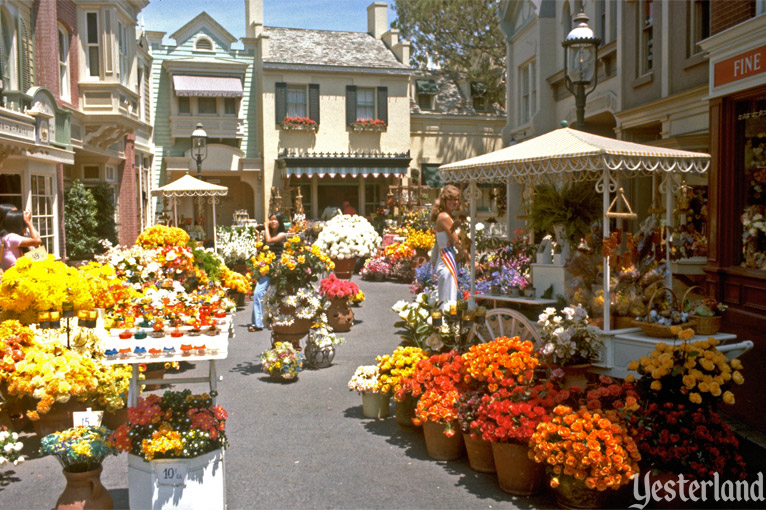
{"x":216,"y":347}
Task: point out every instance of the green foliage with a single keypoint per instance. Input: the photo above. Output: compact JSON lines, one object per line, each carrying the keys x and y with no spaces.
{"x":209,"y":263}
{"x":574,"y":205}
{"x":80,"y":222}
{"x":106,"y":228}
{"x":461,"y":36}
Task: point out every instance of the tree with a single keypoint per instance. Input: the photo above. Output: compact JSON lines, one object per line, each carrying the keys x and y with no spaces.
{"x":107,"y":228}
{"x":80,"y":222}
{"x":460,"y":36}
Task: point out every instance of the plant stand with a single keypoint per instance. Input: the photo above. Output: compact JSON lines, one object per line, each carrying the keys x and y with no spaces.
{"x":199,"y":482}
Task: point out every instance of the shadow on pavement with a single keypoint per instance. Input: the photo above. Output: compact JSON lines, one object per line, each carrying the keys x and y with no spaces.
{"x":248,"y":368}
{"x":408,"y":439}
{"x":7,"y":477}
{"x":120,"y":498}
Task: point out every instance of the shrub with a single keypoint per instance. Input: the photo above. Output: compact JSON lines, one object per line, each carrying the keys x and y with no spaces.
{"x":80,"y":222}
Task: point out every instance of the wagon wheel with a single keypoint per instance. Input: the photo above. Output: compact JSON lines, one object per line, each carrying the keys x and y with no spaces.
{"x":505,"y":322}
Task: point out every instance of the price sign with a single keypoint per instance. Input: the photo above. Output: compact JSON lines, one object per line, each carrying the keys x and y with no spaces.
{"x":171,"y":473}
{"x":37,"y":254}
{"x":87,"y":418}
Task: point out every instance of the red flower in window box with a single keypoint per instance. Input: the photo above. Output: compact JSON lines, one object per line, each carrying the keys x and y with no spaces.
{"x":299,"y":123}
{"x":369,"y":125}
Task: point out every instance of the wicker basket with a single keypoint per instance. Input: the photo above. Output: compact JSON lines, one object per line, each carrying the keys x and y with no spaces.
{"x":658,"y":330}
{"x":706,"y":325}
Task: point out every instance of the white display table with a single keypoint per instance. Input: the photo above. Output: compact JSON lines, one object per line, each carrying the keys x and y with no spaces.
{"x":517,"y":300}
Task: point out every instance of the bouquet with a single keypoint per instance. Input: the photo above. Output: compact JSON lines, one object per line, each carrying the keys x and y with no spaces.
{"x":695,"y":373}
{"x":375,"y":268}
{"x":707,"y":307}
{"x":333,"y":287}
{"x":10,"y":446}
{"x":420,"y":239}
{"x":299,"y":266}
{"x":79,"y":449}
{"x":160,"y":235}
{"x":511,"y":414}
{"x":345,"y":237}
{"x":263,"y":259}
{"x":178,"y":424}
{"x":503,"y":361}
{"x":590,"y":446}
{"x":282,"y":310}
{"x":569,"y":340}
{"x":282,"y":361}
{"x":441,"y":379}
{"x":396,"y":368}
{"x":236,"y":245}
{"x":366,"y":379}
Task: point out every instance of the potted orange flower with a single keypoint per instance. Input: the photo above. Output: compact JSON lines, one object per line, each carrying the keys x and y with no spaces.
{"x":586,"y":453}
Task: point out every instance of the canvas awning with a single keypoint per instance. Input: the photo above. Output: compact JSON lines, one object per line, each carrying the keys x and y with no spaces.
{"x":206,"y":86}
{"x":333,"y":172}
{"x":188,"y":186}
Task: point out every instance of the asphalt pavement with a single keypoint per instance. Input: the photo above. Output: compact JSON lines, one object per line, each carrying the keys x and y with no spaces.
{"x":304,"y":444}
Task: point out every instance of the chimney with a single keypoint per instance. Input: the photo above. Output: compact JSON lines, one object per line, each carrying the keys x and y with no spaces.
{"x":377,"y":19}
{"x":253,"y":17}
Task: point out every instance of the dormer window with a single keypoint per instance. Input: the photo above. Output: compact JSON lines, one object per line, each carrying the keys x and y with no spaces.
{"x":203,"y":44}
{"x":426,"y":91}
{"x":479,"y":96}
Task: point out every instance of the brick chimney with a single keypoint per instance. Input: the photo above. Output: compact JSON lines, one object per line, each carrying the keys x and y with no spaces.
{"x":253,"y":17}
{"x":377,"y":19}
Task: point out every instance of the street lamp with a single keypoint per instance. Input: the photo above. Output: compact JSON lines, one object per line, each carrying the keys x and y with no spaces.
{"x":580,"y":57}
{"x":199,"y":147}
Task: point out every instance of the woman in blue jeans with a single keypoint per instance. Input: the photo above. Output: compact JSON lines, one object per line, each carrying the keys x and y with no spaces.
{"x":275,"y":235}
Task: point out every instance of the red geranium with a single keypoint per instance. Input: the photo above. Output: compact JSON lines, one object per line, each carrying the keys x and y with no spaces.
{"x":335,"y":288}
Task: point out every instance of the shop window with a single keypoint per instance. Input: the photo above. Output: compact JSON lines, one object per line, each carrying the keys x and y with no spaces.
{"x":373,"y":197}
{"x":93,"y":48}
{"x":10,"y":190}
{"x":751,"y":126}
{"x":42,"y":209}
{"x":184,"y":106}
{"x":207,"y":105}
{"x":646,"y":36}
{"x":91,"y":173}
{"x":697,"y":24}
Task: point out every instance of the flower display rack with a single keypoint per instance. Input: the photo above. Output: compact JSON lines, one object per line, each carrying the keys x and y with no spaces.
{"x":178,"y":483}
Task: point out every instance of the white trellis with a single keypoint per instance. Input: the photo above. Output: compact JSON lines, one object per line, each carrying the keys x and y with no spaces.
{"x":572,"y":155}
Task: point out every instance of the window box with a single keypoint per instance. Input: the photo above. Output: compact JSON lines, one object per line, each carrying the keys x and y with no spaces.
{"x":299,"y":124}
{"x":375,"y":125}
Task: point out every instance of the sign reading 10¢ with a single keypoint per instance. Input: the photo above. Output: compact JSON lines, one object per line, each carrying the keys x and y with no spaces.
{"x":171,"y":473}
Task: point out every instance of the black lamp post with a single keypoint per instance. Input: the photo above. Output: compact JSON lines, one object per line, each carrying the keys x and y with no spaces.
{"x":199,"y":147}
{"x":580,"y":60}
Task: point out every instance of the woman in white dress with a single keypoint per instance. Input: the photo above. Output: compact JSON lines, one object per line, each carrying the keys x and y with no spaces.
{"x":446,"y":242}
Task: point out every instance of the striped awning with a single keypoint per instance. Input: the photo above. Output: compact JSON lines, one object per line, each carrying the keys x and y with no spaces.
{"x":333,"y":172}
{"x":207,"y":86}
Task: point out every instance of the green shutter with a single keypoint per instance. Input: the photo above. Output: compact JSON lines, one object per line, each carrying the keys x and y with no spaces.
{"x":350,"y":104}
{"x":280,"y":96}
{"x":314,"y":102}
{"x":25,"y":70}
{"x":383,"y":104}
{"x":4,"y":85}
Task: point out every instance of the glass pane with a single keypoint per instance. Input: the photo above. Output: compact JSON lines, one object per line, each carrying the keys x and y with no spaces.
{"x":365,"y":112}
{"x":207,"y":105}
{"x":752,"y":132}
{"x":183,"y":105}
{"x":93,"y":61}
{"x":10,"y":184}
{"x":92,"y":28}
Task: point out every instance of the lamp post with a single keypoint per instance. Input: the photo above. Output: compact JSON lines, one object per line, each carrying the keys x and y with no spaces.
{"x":580,"y":61}
{"x":199,"y":147}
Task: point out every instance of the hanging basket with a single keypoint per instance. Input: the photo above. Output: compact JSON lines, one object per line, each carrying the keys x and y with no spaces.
{"x":658,"y":330}
{"x":610,"y":213}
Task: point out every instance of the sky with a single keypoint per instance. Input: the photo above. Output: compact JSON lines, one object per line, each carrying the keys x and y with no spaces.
{"x":343,"y":15}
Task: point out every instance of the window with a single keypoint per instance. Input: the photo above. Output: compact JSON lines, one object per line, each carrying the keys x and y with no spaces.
{"x":206,"y":106}
{"x":566,"y":20}
{"x":10,"y":190}
{"x":697,"y":25}
{"x":426,"y":101}
{"x":92,"y":46}
{"x":646,"y":31}
{"x":42,"y":209}
{"x":478,"y":96}
{"x":111,"y":173}
{"x":229,"y":106}
{"x":184,"y":106}
{"x":296,"y":101}
{"x":373,"y":197}
{"x":91,"y":173}
{"x":426,"y":92}
{"x":203,"y":44}
{"x":64,"y":64}
{"x":527,"y":92}
{"x":122,"y":46}
{"x":601,"y":20}
{"x":365,"y":103}
{"x":8,"y":56}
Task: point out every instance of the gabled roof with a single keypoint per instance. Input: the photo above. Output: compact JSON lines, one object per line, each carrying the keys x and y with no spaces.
{"x":329,"y":48}
{"x":203,"y":19}
{"x":450,"y":99}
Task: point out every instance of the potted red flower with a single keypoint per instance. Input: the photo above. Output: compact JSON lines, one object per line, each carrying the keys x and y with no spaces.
{"x":340,"y":317}
{"x":299,"y":123}
{"x":369,"y":125}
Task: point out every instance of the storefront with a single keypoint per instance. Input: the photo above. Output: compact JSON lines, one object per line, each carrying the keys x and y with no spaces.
{"x":736,"y":265}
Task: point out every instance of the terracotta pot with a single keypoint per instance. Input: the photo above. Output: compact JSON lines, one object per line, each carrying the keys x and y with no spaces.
{"x":479,"y":454}
{"x":58,"y":418}
{"x":292,"y":333}
{"x":517,"y":474}
{"x":441,"y":447}
{"x":572,"y":493}
{"x":404,"y":411}
{"x":344,"y":268}
{"x":84,"y":490}
{"x":340,"y":316}
{"x":154,"y":374}
{"x":115,"y":419}
{"x":575,"y":375}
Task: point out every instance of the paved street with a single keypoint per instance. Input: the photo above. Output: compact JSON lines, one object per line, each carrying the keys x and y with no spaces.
{"x":305,"y":444}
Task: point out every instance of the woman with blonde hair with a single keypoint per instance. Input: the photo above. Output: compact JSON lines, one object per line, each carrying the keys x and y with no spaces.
{"x":446,"y":243}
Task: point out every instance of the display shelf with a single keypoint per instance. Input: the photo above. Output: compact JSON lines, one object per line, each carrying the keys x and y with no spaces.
{"x":517,"y":300}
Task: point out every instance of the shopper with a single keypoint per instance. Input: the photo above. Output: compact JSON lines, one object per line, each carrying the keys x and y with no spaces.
{"x":12,"y":236}
{"x":274,"y":235}
{"x":348,"y":209}
{"x":445,"y":264}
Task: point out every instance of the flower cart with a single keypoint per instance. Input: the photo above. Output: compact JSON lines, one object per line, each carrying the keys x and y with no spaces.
{"x":188,"y":186}
{"x":567,"y":155}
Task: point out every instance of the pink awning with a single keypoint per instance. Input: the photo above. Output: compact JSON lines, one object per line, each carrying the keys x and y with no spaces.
{"x":207,"y":86}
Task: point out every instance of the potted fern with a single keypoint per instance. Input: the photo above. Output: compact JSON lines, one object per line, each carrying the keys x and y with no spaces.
{"x":574,"y":206}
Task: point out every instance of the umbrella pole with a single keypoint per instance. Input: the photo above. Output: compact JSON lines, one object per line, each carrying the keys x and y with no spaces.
{"x":215,"y":229}
{"x":472,"y":190}
{"x":605,"y":204}
{"x":175,"y":211}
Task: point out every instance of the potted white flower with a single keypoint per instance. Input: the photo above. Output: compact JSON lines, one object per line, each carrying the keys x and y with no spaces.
{"x":346,"y":237}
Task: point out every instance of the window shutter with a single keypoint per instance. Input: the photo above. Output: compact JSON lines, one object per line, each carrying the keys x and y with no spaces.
{"x":280,"y":96}
{"x":383,"y":104}
{"x":314,"y":102}
{"x":350,"y":104}
{"x":25,"y":70}
{"x":2,"y":58}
